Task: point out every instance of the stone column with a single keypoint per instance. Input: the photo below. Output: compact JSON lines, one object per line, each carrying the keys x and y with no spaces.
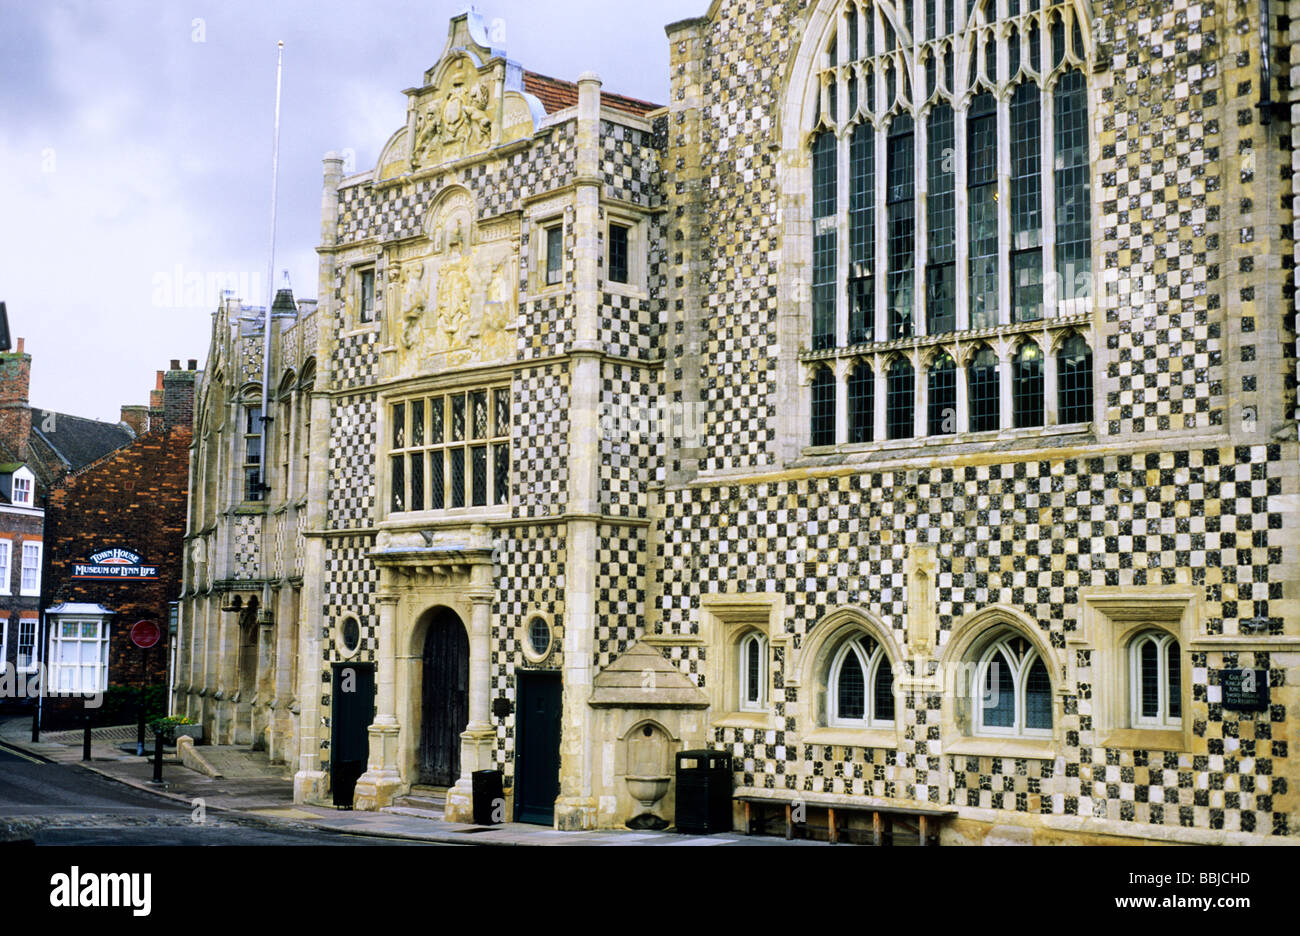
{"x":478,"y":740}
{"x":383,"y":777}
{"x":280,"y":735}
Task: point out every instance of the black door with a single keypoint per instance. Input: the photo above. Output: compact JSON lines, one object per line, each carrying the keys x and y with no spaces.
{"x":446,"y":699}
{"x":353,"y":711}
{"x":537,"y":751}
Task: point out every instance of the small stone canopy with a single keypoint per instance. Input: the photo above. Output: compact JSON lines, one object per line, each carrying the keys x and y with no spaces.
{"x":642,"y":678}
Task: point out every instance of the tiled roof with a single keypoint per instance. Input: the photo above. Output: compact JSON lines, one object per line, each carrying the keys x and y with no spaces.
{"x":556,"y":95}
{"x":77,"y":441}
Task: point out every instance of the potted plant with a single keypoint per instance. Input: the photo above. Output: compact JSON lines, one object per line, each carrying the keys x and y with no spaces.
{"x":173,"y":726}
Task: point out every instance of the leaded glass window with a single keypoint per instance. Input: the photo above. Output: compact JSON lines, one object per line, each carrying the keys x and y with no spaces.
{"x":823,"y":408}
{"x":982,"y":205}
{"x":916,"y":107}
{"x":1155,"y":681}
{"x":942,"y":416}
{"x":940,"y":273}
{"x":450,"y":451}
{"x":982,"y":393}
{"x":901,"y":400}
{"x":1027,"y":386}
{"x":862,"y":404}
{"x":902,"y":227}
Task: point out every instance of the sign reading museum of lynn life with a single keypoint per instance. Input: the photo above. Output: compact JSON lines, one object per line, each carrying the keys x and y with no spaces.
{"x":115,"y":565}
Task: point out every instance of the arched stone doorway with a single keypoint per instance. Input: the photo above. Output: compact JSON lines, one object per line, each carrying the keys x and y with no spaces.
{"x":444,"y":708}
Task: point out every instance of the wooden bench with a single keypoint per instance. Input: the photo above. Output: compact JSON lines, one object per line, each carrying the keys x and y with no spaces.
{"x":924,"y":819}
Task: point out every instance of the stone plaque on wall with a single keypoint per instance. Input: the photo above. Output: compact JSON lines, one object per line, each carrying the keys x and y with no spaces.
{"x":1244,"y":690}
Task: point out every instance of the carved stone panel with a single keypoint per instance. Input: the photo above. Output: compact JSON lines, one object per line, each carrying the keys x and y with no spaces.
{"x":454,"y":294}
{"x":454,"y":119}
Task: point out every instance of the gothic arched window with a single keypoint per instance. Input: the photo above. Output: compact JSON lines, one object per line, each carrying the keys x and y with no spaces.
{"x":949,"y":157}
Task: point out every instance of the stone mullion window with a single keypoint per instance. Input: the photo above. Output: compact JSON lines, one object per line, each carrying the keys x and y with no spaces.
{"x":450,"y":451}
{"x":1027,"y":386}
{"x":940,"y":223}
{"x":862,"y":234}
{"x":901,"y":399}
{"x":961,"y":206}
{"x":1047,"y":238}
{"x":982,"y":218}
{"x":941,"y":402}
{"x":1073,"y":211}
{"x":825,"y":237}
{"x":914,"y":251}
{"x":861,"y":403}
{"x":881,"y":331}
{"x":1074,"y":381}
{"x":1026,"y":267}
{"x":920,"y":188}
{"x":823,"y":407}
{"x":901,"y":213}
{"x":1003,"y":163}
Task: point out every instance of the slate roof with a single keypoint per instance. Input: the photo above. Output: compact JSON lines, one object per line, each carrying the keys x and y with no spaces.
{"x":74,"y":440}
{"x":557,"y":94}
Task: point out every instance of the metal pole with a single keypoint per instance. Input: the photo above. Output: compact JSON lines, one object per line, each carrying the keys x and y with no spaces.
{"x":157,"y":755}
{"x":270,"y":273}
{"x":144,"y":682}
{"x":85,"y":737}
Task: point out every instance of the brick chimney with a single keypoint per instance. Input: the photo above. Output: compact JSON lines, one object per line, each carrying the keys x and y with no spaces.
{"x":136,"y":418}
{"x":156,"y":401}
{"x":15,"y":411}
{"x":178,"y":395}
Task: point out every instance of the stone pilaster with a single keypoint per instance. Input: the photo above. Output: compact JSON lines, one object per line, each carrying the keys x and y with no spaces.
{"x":383,"y":778}
{"x":576,"y":808}
{"x":309,"y":783}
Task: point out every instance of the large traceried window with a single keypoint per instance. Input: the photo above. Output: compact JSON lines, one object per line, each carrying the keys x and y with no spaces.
{"x":950,"y":195}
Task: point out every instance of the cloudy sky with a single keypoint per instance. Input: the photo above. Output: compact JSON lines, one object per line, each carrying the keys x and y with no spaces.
{"x":135,"y":152}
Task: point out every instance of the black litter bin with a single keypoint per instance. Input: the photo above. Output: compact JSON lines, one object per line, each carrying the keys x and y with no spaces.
{"x":489,"y":794}
{"x":704,"y":788}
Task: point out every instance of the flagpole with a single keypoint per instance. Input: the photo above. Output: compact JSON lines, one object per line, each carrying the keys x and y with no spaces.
{"x":270,"y":278}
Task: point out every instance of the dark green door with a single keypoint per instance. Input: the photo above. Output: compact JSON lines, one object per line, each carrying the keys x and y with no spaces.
{"x":537,"y":752}
{"x":353,"y":710}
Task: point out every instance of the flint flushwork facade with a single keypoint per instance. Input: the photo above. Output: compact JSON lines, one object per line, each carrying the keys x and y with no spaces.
{"x":907,"y":408}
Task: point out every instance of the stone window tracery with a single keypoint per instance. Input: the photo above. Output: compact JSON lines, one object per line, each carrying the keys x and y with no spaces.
{"x":951,"y":216}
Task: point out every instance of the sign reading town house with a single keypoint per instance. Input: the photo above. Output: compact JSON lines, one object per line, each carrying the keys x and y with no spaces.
{"x":114,"y":564}
{"x":1244,"y":690}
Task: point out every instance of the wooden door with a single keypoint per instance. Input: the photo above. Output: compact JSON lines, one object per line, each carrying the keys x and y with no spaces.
{"x":446,"y":699}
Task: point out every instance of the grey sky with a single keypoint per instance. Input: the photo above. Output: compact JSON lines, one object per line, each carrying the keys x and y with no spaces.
{"x":135,"y":142}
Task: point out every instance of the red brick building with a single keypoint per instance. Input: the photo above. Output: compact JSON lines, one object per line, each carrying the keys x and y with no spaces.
{"x":114,"y":541}
{"x":38,"y":447}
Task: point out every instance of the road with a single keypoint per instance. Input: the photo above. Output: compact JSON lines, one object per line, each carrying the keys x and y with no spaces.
{"x":64,"y":804}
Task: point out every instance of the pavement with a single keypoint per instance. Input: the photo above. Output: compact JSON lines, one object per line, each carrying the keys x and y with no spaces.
{"x":253,"y":790}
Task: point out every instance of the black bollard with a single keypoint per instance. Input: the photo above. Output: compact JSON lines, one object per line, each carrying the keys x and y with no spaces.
{"x":85,"y":738}
{"x":157,"y":755}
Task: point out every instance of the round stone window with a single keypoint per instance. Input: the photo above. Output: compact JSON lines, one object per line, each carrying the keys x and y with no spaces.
{"x":537,"y":643}
{"x":350,"y":631}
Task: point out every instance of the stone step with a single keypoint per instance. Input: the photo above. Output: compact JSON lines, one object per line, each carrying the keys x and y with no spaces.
{"x":414,"y":812}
